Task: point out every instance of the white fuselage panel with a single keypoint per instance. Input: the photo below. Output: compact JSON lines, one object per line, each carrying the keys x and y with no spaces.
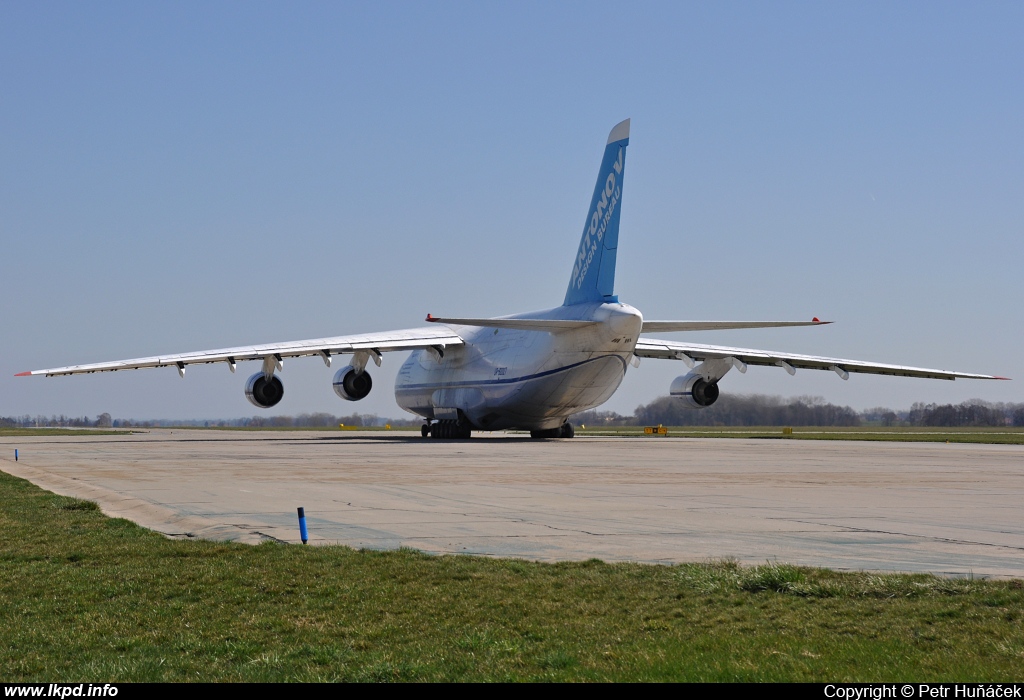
{"x":509,"y":378}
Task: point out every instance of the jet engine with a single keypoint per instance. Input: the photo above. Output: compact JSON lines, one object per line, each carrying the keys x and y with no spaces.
{"x":352,"y":385}
{"x":695,"y":390}
{"x":263,"y":392}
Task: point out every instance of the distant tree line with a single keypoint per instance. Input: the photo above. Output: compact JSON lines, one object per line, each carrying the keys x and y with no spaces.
{"x":758,"y":410}
{"x":729,"y":410}
{"x":26,"y":421}
{"x":318,"y":420}
{"x":967,"y":414}
{"x":303,"y":420}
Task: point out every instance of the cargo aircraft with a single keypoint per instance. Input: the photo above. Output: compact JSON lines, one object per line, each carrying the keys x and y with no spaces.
{"x":529,"y":371}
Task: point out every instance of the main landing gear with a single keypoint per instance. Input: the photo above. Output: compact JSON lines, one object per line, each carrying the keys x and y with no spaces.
{"x":447,"y":430}
{"x":460,"y":430}
{"x":564,"y":431}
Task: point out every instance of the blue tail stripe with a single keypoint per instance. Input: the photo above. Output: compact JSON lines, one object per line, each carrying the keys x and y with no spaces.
{"x":593,"y":272}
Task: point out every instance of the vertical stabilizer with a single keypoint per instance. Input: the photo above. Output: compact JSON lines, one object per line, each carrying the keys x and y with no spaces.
{"x":593,"y":270}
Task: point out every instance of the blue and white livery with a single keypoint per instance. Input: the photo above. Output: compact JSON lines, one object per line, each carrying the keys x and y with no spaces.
{"x":529,"y":371}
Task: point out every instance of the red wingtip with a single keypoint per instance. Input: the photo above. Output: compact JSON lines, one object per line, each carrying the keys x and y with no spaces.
{"x":430,"y":318}
{"x":1005,"y":379}
{"x":815,"y":320}
{"x":23,"y":374}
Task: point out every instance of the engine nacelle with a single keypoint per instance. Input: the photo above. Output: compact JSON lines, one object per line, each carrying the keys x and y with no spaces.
{"x":694,"y":390}
{"x":351,"y":385}
{"x":263,"y":392}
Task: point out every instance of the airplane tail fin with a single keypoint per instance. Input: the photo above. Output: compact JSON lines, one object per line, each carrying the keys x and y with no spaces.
{"x":593,"y":270}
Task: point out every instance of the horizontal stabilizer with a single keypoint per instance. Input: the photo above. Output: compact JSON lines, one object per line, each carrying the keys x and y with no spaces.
{"x":669,"y":326}
{"x":524,"y":324}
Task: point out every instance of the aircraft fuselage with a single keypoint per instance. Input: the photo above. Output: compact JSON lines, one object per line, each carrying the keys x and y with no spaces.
{"x":512,"y":378}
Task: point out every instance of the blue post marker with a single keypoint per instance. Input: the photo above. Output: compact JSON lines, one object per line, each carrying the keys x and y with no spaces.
{"x":15,"y":454}
{"x":302,"y":526}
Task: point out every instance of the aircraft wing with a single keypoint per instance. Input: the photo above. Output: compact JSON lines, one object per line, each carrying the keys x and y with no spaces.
{"x":437,"y":337}
{"x":690,"y":352}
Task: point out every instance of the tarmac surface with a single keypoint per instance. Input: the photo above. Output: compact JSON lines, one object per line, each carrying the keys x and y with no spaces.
{"x":950,"y":509}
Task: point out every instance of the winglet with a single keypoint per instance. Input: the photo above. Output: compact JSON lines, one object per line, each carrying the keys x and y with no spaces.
{"x":23,"y":374}
{"x":816,"y":319}
{"x":431,"y":319}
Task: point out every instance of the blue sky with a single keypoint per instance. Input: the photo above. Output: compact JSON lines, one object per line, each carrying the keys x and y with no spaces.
{"x":195,"y":175}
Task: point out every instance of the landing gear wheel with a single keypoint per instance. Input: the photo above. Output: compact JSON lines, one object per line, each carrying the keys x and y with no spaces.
{"x":450,"y":430}
{"x":565,"y":430}
{"x":545,"y":434}
{"x":424,"y":430}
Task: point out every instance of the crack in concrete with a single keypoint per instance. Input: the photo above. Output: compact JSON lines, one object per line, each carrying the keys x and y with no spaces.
{"x":265,"y":536}
{"x":932,"y":538}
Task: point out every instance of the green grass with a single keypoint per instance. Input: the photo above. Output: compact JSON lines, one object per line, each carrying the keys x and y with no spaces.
{"x":87,"y":598}
{"x":47,"y":432}
{"x":1001,"y":436}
